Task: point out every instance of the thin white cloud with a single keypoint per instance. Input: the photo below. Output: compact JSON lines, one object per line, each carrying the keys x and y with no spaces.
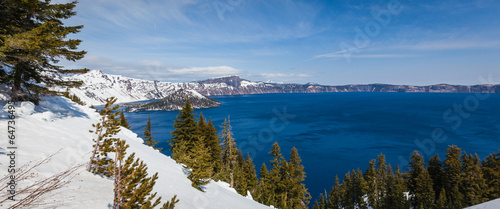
{"x":156,"y":70}
{"x":450,"y":45}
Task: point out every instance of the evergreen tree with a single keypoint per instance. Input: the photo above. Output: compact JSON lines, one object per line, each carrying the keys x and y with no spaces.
{"x":212,"y":141}
{"x":335,"y":195}
{"x":33,"y":39}
{"x":381,"y":179}
{"x":420,"y":183}
{"x":229,"y":154}
{"x":491,"y":171}
{"x":298,"y":193}
{"x":199,"y":174}
{"x":436,"y":172}
{"x":348,"y":193}
{"x":250,"y":175}
{"x":123,"y":120}
{"x":453,"y":169}
{"x":441,"y":202}
{"x":277,"y":173}
{"x":132,"y":186}
{"x":361,"y":187}
{"x":397,"y":197}
{"x":184,"y":136}
{"x":105,"y":129}
{"x":472,"y":181}
{"x":148,"y":137}
{"x":263,"y":192}
{"x":371,"y":180}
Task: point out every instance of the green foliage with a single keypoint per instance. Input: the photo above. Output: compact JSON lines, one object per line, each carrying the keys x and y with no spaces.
{"x":229,"y":154}
{"x":283,"y":186}
{"x":199,"y":174}
{"x":170,"y":204}
{"x":33,"y":39}
{"x":453,"y":169}
{"x":148,"y":138}
{"x":73,"y":98}
{"x":491,"y":171}
{"x":436,"y":172}
{"x":184,"y":135}
{"x":212,"y":142}
{"x":105,"y":129}
{"x":123,"y":120}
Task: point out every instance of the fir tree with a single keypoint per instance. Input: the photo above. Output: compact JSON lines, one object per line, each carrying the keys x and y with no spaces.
{"x":361,"y":187}
{"x":184,"y":136}
{"x":299,"y":195}
{"x":229,"y":154}
{"x":198,"y":165}
{"x":472,"y":181}
{"x":33,"y":39}
{"x":263,"y":192}
{"x":420,"y":183}
{"x":132,"y":186}
{"x":371,"y":180}
{"x":250,"y":175}
{"x":436,"y":172}
{"x":212,"y":141}
{"x":278,"y":163}
{"x":148,"y":137}
{"x":105,"y":129}
{"x":381,"y":179}
{"x":491,"y":171}
{"x":123,"y":120}
{"x":453,"y":169}
{"x":335,"y":195}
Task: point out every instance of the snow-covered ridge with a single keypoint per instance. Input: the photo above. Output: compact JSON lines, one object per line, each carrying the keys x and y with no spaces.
{"x":59,"y":124}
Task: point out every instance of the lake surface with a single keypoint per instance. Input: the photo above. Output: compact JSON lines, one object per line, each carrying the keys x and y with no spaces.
{"x":338,"y":132}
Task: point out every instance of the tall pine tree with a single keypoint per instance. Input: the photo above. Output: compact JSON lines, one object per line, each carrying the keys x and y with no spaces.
{"x":229,"y":154}
{"x":33,"y":39}
{"x":148,"y":137}
{"x":453,"y":169}
{"x":184,"y":136}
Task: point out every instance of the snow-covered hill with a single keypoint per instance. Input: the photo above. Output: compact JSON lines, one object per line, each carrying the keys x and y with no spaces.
{"x":98,"y":86}
{"x":493,"y":204}
{"x":59,"y":124}
{"x":175,"y":101}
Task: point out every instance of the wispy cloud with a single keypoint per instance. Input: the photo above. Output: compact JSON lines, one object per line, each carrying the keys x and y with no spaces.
{"x":449,"y":45}
{"x":156,"y":70}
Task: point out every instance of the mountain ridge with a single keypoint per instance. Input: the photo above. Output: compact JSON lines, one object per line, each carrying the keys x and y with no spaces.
{"x":98,"y":86}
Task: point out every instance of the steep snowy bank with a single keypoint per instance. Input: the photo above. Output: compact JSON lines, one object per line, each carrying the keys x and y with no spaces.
{"x":59,"y":124}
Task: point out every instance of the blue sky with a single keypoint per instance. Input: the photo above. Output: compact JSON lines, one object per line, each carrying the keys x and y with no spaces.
{"x":333,"y":42}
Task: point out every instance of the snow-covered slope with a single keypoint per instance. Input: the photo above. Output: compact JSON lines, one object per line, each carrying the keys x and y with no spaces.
{"x":494,"y":204}
{"x":59,"y":124}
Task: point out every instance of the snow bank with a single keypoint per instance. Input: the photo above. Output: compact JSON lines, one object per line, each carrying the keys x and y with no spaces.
{"x":493,"y":204}
{"x":58,"y":124}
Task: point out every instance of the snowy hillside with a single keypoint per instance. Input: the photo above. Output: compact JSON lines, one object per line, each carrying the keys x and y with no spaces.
{"x":494,"y":204}
{"x":59,"y":124}
{"x":175,"y":101}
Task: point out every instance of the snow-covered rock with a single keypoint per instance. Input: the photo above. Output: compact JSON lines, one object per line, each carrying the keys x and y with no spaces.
{"x":493,"y":204}
{"x":175,"y":101}
{"x":59,"y":125}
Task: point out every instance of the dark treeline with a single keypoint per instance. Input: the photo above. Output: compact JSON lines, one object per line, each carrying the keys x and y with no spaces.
{"x":461,"y":180}
{"x":211,"y":155}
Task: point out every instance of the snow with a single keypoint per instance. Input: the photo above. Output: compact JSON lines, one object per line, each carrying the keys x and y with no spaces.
{"x":59,"y":125}
{"x":245,"y":83}
{"x":196,"y":94}
{"x":493,"y":204}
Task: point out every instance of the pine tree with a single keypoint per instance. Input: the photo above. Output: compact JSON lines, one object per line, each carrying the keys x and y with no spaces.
{"x":397,"y":193}
{"x":123,"y":120}
{"x":361,"y":187}
{"x":132,"y":186}
{"x":420,"y":183}
{"x":184,"y":136}
{"x":436,"y":172}
{"x":381,"y":180}
{"x":472,"y":181}
{"x":299,"y":195}
{"x":212,"y":141}
{"x":335,"y":195}
{"x":263,"y":192}
{"x":277,"y":181}
{"x":491,"y":171}
{"x":148,"y":137}
{"x":33,"y":39}
{"x":453,"y":169}
{"x":348,"y":193}
{"x":199,"y":165}
{"x":371,"y":180}
{"x":105,"y":129}
{"x":250,"y":175}
{"x":229,"y":154}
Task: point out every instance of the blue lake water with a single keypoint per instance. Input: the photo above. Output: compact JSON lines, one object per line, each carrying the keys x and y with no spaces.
{"x":338,"y":132}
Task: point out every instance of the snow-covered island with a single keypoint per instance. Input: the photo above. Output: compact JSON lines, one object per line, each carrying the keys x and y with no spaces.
{"x":175,"y":101}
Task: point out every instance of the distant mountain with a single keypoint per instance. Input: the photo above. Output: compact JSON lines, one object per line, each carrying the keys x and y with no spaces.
{"x":175,"y":101}
{"x":98,"y":86}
